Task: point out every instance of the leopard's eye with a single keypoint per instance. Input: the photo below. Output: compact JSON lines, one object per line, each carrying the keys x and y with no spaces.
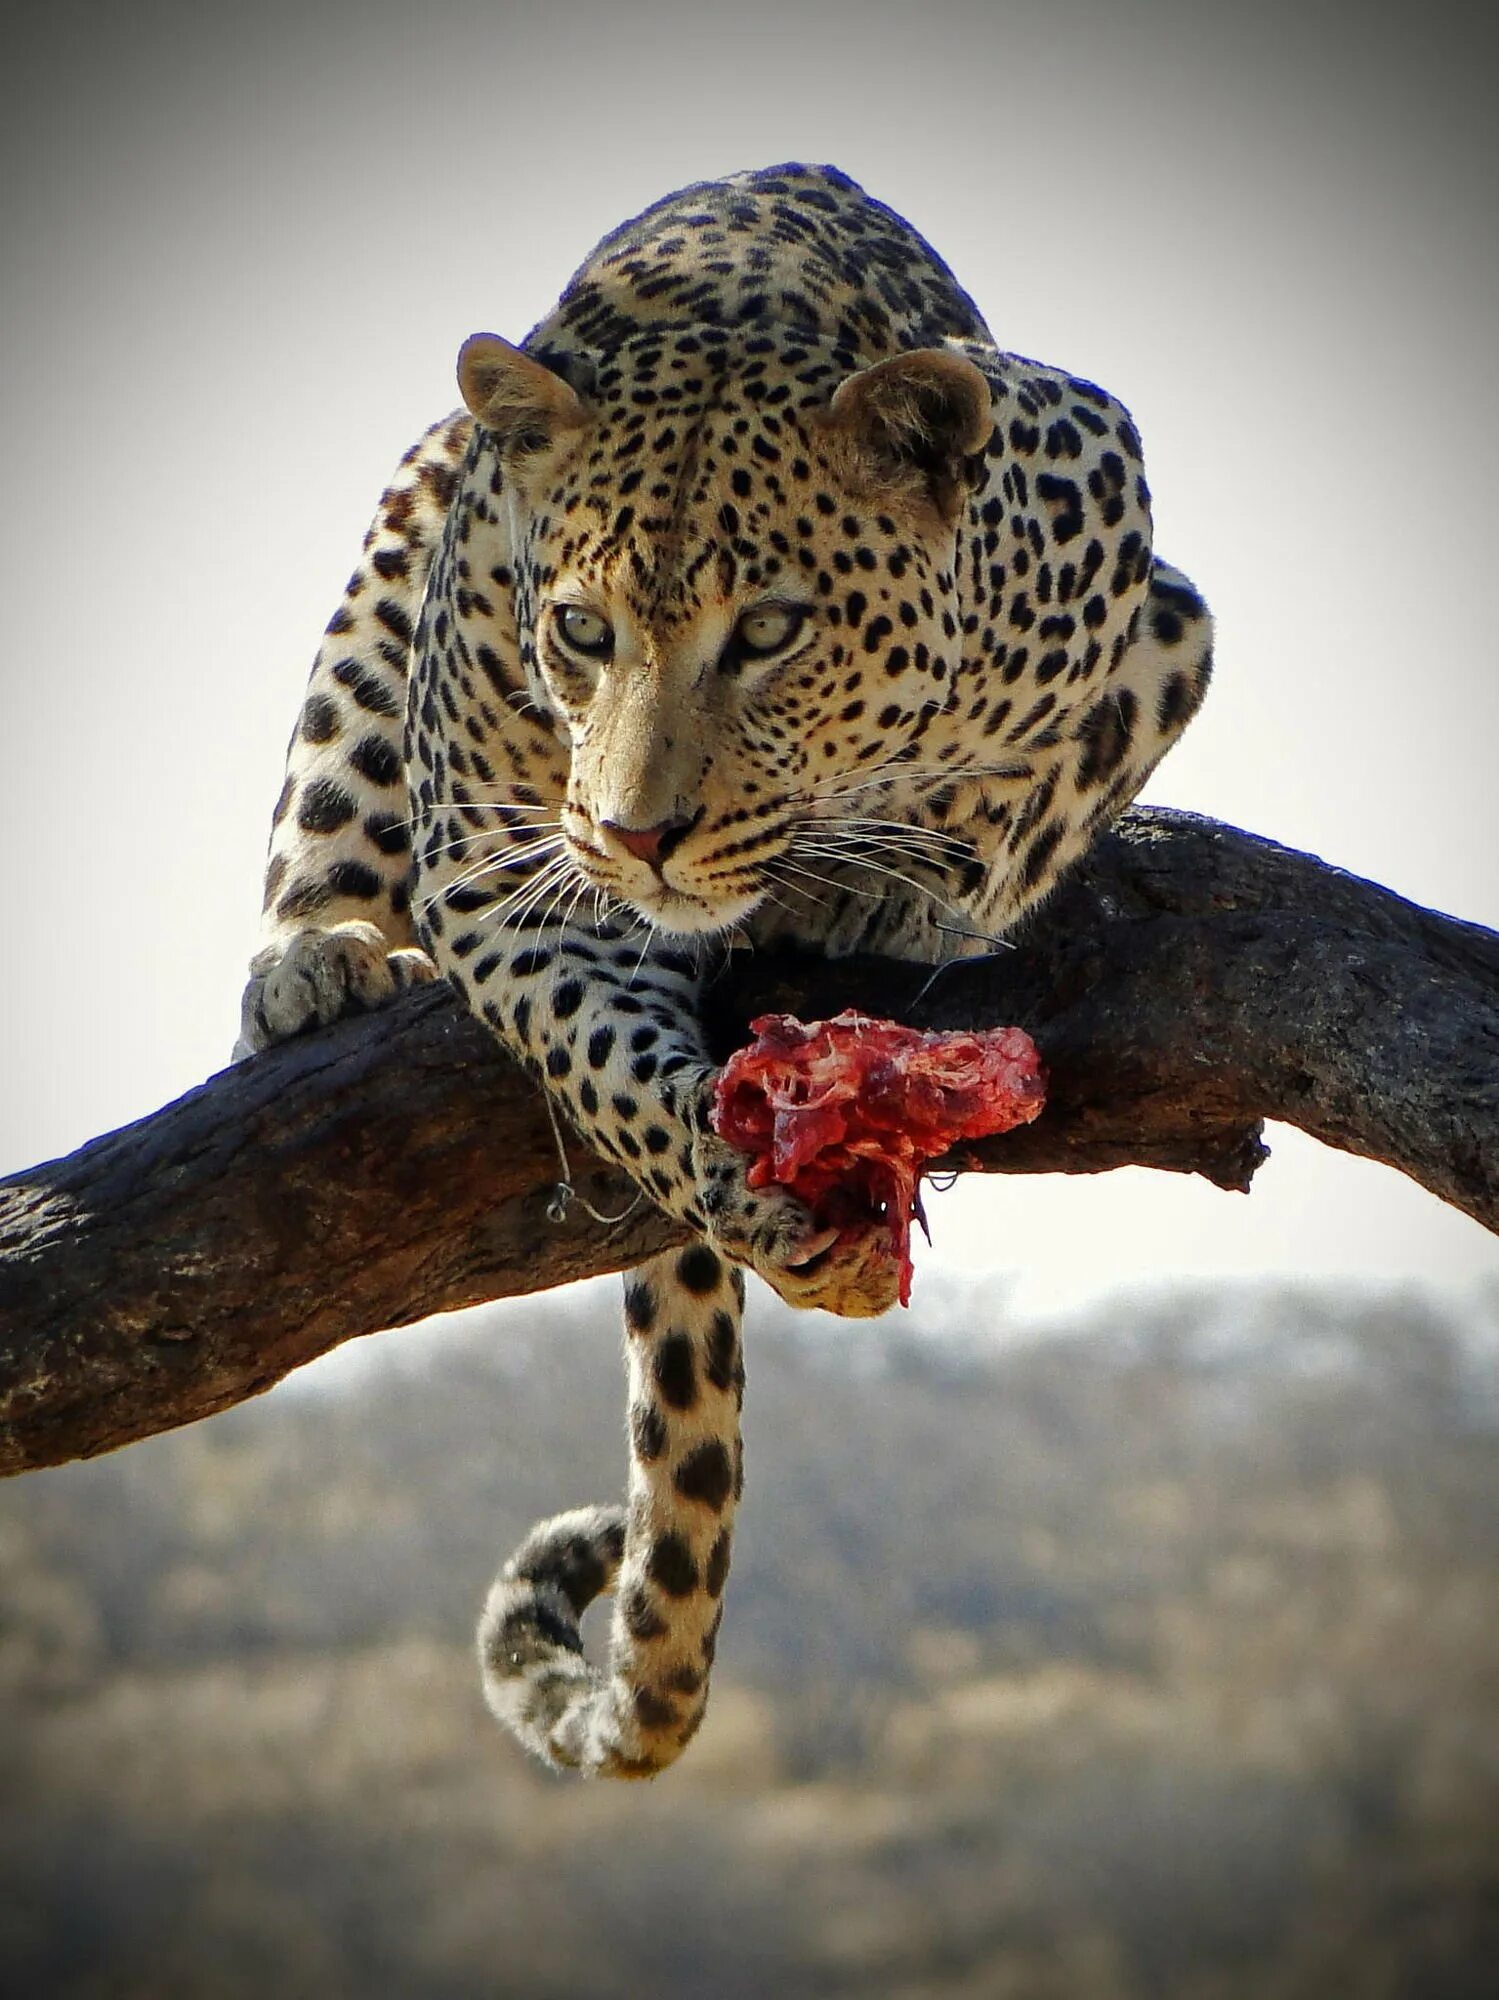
{"x":771,"y":629}
{"x":584,"y":631}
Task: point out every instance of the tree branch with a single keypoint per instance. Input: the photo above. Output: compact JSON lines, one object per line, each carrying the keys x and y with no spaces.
{"x":1187,"y":982}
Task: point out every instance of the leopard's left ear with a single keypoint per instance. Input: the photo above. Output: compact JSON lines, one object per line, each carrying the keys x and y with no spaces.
{"x":527,"y":406}
{"x":912,"y":420}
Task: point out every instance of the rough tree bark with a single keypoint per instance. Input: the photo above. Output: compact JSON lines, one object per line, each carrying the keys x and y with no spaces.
{"x":1188,"y":982}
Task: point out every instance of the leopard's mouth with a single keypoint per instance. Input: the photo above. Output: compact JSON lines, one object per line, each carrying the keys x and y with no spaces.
{"x":658,"y":895}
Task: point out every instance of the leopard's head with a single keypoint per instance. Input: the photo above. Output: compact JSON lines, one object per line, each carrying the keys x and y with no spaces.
{"x":732,"y":559}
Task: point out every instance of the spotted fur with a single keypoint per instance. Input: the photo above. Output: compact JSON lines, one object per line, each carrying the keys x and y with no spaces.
{"x":757,"y":596}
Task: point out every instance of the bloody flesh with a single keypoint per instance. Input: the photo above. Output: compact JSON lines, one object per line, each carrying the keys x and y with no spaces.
{"x":848,"y":1113}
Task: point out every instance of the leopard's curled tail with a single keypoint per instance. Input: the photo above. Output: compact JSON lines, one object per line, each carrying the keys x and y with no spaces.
{"x":666,"y":1554}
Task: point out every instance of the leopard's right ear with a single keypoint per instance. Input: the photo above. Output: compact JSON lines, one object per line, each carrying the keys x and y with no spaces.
{"x":526,"y":406}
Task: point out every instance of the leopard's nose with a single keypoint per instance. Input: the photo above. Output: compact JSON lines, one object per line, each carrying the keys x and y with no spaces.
{"x":652,"y":844}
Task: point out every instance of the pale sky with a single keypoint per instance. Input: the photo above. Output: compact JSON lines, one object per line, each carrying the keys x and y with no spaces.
{"x":241,"y":249}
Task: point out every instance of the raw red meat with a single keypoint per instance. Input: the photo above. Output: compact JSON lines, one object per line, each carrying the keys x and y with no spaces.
{"x":847,"y":1113}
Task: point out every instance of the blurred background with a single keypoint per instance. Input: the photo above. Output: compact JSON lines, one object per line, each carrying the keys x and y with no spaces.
{"x":1121,"y":1621}
{"x":1153,"y":1656}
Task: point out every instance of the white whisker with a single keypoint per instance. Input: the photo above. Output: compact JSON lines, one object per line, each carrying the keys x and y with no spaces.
{"x":893,"y":771}
{"x":489,"y":864}
{"x":826,"y":881}
{"x":531,"y":843}
{"x":542,"y":887}
{"x":537,"y":882}
{"x":770,"y":871}
{"x":781,"y":903}
{"x":915,"y":829}
{"x":833,"y":853}
{"x":650,"y":938}
{"x":579,"y":892}
{"x":500,"y":803}
{"x":930,"y":843}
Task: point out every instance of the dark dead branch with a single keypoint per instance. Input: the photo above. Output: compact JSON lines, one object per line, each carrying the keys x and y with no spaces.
{"x":1187,"y":983}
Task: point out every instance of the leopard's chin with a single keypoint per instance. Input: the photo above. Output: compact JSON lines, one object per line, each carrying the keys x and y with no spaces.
{"x":681,"y":913}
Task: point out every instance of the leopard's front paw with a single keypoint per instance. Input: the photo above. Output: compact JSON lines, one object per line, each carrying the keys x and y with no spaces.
{"x":774,"y":1234}
{"x":314,"y":977}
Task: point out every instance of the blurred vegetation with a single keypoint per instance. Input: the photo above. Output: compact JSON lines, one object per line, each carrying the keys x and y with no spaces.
{"x":1159,"y":1659}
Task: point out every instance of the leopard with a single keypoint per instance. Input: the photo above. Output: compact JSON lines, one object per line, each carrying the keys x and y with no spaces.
{"x":755,"y":598}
